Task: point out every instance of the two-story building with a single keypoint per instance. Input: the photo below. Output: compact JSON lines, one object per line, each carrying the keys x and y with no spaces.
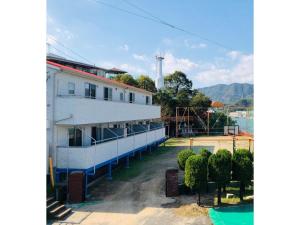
{"x":93,"y":121}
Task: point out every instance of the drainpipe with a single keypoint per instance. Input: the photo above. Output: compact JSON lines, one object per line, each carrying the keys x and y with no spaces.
{"x":53,"y":142}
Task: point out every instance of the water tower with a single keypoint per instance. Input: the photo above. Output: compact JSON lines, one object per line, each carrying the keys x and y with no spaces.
{"x":159,"y":82}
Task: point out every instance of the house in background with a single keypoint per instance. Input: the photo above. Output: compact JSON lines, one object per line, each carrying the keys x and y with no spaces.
{"x":93,"y":122}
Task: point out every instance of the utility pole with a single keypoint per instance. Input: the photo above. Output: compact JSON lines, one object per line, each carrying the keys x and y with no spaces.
{"x":207,"y":123}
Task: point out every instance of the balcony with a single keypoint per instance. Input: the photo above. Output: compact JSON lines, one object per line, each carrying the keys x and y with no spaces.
{"x":99,"y":154}
{"x":76,"y":110}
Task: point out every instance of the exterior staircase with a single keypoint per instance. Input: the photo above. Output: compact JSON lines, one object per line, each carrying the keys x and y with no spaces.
{"x":56,"y":210}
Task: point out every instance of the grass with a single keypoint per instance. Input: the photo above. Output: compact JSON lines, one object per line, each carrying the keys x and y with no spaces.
{"x":173,"y":142}
{"x":137,"y":166}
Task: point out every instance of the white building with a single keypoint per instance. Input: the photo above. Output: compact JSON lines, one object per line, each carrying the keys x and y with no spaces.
{"x":93,"y":121}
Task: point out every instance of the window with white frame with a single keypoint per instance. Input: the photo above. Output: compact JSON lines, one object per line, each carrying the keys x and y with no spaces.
{"x":90,"y":90}
{"x":107,"y":94}
{"x":121,"y":96}
{"x":147,"y":100}
{"x":71,"y":88}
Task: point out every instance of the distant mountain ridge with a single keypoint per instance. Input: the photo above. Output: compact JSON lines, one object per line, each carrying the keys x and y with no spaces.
{"x":229,"y":93}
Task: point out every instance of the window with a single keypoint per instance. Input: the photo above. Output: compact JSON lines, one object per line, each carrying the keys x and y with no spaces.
{"x":71,"y":88}
{"x":90,"y":90}
{"x":107,"y":94}
{"x":147,"y":100}
{"x":131,"y":97}
{"x":75,"y":137}
{"x":121,"y":96}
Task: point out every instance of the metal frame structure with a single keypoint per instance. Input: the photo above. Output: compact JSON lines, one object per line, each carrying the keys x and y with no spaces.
{"x":186,"y":114}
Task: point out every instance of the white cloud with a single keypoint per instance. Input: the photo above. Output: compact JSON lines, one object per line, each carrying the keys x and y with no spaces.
{"x":194,"y":46}
{"x":124,"y":47}
{"x":131,"y":69}
{"x":139,"y":57}
{"x":234,"y":54}
{"x":171,"y":63}
{"x":241,"y":72}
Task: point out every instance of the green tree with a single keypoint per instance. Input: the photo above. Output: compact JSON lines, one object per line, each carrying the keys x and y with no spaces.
{"x":146,"y":83}
{"x":200,"y":100}
{"x":167,"y":102}
{"x":219,"y":169}
{"x":206,"y":154}
{"x":242,"y":168}
{"x":196,"y":173}
{"x":178,"y":81}
{"x":126,"y":79}
{"x":182,"y":98}
{"x":182,"y":156}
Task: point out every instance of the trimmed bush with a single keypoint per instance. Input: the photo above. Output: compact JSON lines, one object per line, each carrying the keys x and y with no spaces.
{"x":242,"y":168}
{"x":196,"y":173}
{"x":182,"y":156}
{"x":205,"y":153}
{"x":219,"y":169}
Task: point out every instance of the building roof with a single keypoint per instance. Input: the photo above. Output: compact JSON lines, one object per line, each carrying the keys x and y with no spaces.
{"x":95,"y":77}
{"x":116,"y":70}
{"x":59,"y":59}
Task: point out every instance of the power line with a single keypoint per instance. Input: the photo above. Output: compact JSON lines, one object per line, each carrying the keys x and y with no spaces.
{"x":61,"y":44}
{"x":176,"y":27}
{"x":63,"y":52}
{"x":157,"y":19}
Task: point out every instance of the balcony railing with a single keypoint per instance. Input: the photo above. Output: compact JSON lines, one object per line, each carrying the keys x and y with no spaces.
{"x":95,"y":155}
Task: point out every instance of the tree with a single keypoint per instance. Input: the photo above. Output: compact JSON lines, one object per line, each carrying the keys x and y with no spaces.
{"x":206,"y":154}
{"x":146,"y":83}
{"x":200,"y":100}
{"x":126,"y":79}
{"x":178,"y":81}
{"x":219,"y":169}
{"x":167,"y":102}
{"x":182,"y":156}
{"x":196,"y":173}
{"x":182,"y":98}
{"x":242,"y":168}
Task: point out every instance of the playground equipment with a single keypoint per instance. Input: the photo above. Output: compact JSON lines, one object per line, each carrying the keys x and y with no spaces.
{"x":191,"y":121}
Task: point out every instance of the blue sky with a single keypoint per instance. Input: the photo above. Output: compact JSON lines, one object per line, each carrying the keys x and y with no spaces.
{"x":111,"y":38}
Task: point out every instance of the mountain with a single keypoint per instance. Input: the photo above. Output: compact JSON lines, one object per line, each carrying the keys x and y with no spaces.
{"x":229,"y":93}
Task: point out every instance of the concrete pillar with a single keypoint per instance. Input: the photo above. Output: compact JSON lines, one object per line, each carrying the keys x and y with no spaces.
{"x":127,"y":162}
{"x":109,"y":176}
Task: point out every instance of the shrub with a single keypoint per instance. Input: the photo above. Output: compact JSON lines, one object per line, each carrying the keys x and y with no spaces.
{"x":196,"y":173}
{"x":182,"y":156}
{"x":242,"y":168}
{"x":205,"y":153}
{"x":219,"y":169}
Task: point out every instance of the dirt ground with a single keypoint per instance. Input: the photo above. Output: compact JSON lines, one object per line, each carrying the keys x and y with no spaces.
{"x":214,"y":143}
{"x":140,"y":200}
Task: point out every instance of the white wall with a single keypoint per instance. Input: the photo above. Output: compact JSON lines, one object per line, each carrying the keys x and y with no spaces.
{"x":88,"y":111}
{"x":86,"y":157}
{"x":64,"y":78}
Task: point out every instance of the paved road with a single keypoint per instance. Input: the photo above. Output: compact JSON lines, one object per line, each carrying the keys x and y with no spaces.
{"x":141,"y":200}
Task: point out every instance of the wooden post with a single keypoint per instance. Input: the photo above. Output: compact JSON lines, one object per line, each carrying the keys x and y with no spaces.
{"x":207,"y":123}
{"x":191,"y":143}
